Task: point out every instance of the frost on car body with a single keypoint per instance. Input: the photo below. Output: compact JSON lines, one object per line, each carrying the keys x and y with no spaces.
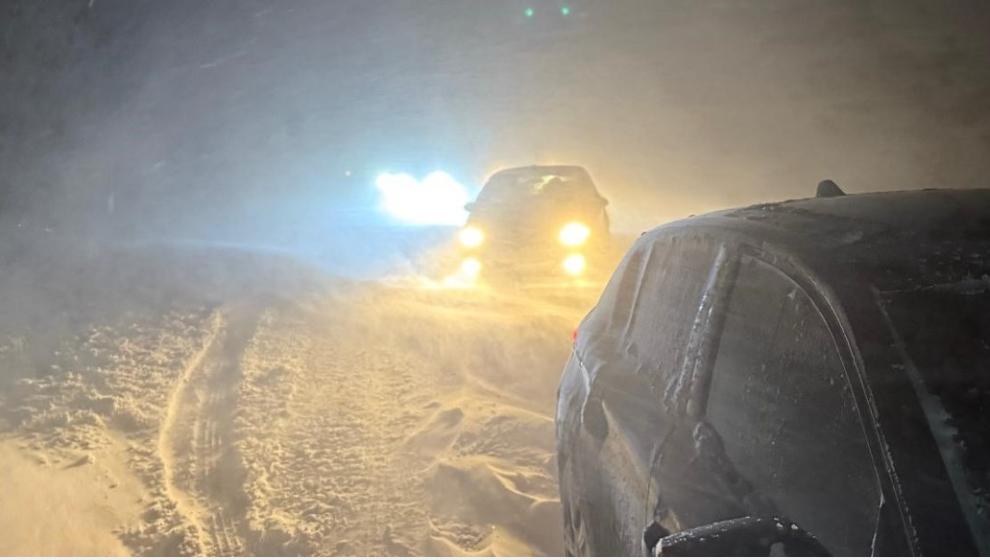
{"x":822,"y":361}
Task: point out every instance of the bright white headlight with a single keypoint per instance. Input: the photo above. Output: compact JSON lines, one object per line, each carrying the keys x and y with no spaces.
{"x":434,"y":199}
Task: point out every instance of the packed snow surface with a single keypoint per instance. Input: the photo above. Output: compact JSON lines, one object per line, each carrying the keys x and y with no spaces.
{"x":222,"y":403}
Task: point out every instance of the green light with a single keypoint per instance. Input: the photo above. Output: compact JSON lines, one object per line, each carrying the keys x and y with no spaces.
{"x":565,"y":10}
{"x":529,"y":12}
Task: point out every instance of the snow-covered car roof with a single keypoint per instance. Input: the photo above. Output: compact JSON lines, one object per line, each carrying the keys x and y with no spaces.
{"x":890,"y":240}
{"x":519,"y":182}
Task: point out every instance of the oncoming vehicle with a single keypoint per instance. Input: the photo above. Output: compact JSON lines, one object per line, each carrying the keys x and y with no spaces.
{"x":806,"y":377}
{"x":535,"y":222}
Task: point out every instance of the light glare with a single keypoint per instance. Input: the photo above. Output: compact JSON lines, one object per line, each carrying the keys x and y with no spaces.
{"x":437,"y":199}
{"x":466,"y":276}
{"x":470,"y":268}
{"x":574,"y":234}
{"x":472,"y":236}
{"x":575,"y":265}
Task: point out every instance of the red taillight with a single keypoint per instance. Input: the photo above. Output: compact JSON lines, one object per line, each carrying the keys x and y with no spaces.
{"x":574,"y":335}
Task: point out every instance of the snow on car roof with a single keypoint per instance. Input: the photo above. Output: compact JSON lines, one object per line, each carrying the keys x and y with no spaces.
{"x":531,"y":180}
{"x":897,"y":240}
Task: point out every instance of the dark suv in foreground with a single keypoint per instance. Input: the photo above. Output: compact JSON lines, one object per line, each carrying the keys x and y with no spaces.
{"x":807,"y":377}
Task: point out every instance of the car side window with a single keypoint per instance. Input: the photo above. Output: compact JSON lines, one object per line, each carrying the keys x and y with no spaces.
{"x":781,"y":402}
{"x":652,"y":303}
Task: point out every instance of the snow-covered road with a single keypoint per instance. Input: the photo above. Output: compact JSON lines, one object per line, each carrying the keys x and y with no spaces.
{"x":294,"y":414}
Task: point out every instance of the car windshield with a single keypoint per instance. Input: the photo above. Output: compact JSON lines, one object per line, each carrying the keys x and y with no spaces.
{"x":516,"y":186}
{"x":526,"y":202}
{"x":945,"y":333}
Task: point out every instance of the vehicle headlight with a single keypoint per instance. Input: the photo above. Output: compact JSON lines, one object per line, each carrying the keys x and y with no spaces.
{"x":575,"y":264}
{"x":574,"y":234}
{"x":471,"y":236}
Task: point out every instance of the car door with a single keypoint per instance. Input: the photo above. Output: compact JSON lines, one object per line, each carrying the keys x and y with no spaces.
{"x":780,"y":432}
{"x":636,"y":339}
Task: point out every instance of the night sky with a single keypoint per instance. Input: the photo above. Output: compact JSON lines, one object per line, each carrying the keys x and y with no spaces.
{"x":209,"y":119}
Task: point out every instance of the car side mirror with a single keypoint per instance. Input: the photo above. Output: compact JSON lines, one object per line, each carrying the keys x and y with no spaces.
{"x":469,"y":206}
{"x":745,"y":536}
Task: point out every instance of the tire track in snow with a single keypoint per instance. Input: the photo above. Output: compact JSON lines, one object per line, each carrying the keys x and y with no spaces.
{"x":203,"y":473}
{"x":339,"y":478}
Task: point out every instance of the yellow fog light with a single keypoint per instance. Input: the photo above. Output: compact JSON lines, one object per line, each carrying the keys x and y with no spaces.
{"x":575,"y":265}
{"x":574,"y":234}
{"x":470,"y":268}
{"x":471,"y":236}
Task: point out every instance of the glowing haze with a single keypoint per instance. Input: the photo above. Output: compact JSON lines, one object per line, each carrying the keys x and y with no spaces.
{"x":437,"y":199}
{"x":240,"y":120}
